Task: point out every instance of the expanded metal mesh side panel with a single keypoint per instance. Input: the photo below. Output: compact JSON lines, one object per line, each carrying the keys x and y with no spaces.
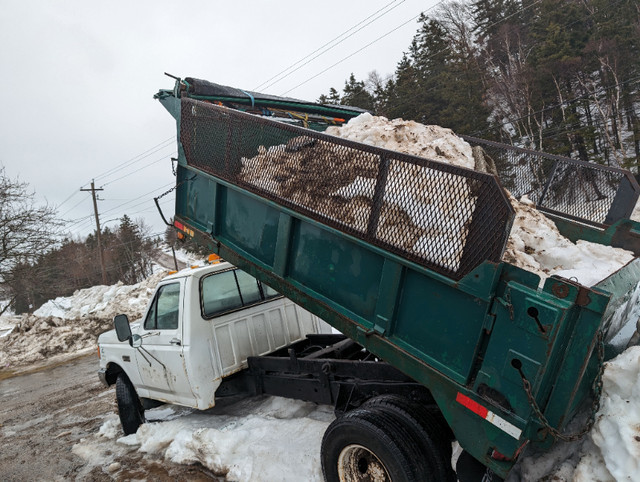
{"x":446,"y":218}
{"x":575,"y":189}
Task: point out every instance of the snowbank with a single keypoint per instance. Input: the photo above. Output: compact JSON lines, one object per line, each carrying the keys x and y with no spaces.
{"x":258,"y":440}
{"x":617,"y":429}
{"x":611,"y":451}
{"x":66,"y":326}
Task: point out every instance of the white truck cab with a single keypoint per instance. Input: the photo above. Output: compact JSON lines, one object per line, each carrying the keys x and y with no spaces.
{"x":200,"y":327}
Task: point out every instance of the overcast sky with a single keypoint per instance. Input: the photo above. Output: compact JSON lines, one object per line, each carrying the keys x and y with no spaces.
{"x":77,"y":79}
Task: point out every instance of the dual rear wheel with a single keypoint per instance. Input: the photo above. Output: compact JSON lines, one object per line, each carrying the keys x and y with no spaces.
{"x":389,"y":438}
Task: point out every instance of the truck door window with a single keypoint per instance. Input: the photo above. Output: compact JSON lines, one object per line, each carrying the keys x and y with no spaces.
{"x":165,"y":308}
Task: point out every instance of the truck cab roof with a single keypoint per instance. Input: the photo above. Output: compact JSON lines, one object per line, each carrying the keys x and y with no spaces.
{"x":199,"y":271}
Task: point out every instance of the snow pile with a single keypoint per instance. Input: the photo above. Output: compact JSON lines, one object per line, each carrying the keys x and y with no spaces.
{"x":425,"y":212}
{"x":256,"y":439}
{"x":428,"y":141}
{"x":66,"y":326}
{"x":617,"y":429}
{"x":7,"y":324}
{"x":611,"y":452}
{"x":536,"y":245}
{"x":102,"y":301}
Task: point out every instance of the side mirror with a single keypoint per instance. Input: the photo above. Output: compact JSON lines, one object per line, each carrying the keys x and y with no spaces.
{"x":123,"y":329}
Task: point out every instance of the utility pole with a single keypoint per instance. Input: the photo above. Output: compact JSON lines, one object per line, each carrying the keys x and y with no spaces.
{"x":95,"y":210}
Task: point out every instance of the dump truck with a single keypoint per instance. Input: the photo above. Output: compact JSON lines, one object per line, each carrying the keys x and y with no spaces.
{"x":473,"y":348}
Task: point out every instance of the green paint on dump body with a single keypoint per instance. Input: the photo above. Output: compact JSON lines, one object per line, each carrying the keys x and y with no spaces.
{"x":476,"y":337}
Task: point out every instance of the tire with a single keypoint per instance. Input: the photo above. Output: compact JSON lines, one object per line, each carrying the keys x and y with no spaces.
{"x":470,"y":470}
{"x":429,"y":428}
{"x":371,"y":444}
{"x":129,"y":406}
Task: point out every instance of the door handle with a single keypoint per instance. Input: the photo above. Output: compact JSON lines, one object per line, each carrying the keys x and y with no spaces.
{"x":175,"y":341}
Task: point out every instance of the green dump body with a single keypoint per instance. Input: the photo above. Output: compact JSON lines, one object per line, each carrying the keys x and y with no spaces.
{"x":469,"y":329}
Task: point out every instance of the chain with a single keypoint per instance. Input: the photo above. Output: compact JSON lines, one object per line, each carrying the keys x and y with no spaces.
{"x":167,"y":192}
{"x":597,"y":391}
{"x":174,"y":188}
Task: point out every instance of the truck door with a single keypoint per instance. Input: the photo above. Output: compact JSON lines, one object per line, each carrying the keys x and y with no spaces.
{"x":160,"y":358}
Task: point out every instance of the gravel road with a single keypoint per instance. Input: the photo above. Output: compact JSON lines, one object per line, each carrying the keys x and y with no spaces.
{"x":44,"y":414}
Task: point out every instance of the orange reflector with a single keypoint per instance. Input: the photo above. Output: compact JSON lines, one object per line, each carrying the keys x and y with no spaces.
{"x":172,"y":272}
{"x":213,"y":257}
{"x":180,"y":236}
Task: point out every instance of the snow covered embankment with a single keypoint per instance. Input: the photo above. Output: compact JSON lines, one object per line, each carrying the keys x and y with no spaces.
{"x":67,"y":326}
{"x":253,"y":440}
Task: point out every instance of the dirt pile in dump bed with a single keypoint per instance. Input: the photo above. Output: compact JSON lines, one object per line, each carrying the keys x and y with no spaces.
{"x":424,"y":211}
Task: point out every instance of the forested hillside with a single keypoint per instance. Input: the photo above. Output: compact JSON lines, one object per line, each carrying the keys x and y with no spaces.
{"x":560,"y":76}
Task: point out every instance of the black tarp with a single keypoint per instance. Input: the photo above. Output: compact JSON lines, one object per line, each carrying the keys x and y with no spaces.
{"x":204,"y":88}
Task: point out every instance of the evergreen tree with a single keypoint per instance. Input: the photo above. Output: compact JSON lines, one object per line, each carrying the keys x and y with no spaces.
{"x":355,"y":94}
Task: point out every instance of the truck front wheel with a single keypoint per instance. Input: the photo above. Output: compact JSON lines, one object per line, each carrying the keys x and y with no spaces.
{"x":129,"y":406}
{"x":369,"y":444}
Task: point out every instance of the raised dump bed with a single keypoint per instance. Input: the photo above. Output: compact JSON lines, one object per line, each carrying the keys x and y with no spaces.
{"x":508,"y":362}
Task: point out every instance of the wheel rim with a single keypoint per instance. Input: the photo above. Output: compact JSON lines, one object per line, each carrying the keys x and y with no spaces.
{"x":359,"y":464}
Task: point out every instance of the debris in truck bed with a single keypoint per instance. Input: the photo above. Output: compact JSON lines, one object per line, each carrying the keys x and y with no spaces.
{"x":339,"y":183}
{"x":419,"y":204}
{"x":536,"y":245}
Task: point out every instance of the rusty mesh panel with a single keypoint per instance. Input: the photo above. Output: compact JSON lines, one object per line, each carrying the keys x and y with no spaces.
{"x":575,"y":189}
{"x":446,"y":218}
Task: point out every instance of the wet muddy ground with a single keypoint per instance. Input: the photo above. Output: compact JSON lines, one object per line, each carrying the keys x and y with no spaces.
{"x":45,"y":413}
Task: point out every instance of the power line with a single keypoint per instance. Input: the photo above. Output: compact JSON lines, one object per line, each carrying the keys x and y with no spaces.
{"x":365,"y":47}
{"x":139,"y":169}
{"x":299,"y":64}
{"x":137,"y":158}
{"x":63,"y":202}
{"x":84,"y":224}
{"x":72,"y":208}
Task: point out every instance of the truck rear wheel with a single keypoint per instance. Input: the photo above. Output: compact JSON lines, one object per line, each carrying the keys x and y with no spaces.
{"x":129,"y":406}
{"x":370,"y":444}
{"x":428,"y":425}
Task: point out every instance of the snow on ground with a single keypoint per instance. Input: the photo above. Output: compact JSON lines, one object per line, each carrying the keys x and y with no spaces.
{"x":255,"y":439}
{"x":69,"y":325}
